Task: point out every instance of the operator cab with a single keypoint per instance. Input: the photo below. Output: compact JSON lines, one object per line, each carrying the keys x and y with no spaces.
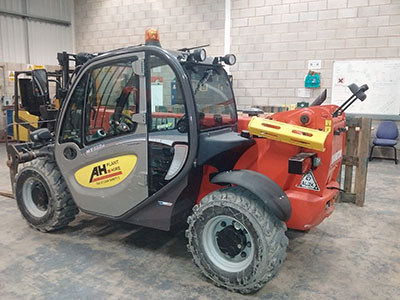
{"x":139,"y":123}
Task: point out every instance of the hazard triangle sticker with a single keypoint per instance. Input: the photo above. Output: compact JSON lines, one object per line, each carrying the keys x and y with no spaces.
{"x":308,"y":182}
{"x":11,"y":76}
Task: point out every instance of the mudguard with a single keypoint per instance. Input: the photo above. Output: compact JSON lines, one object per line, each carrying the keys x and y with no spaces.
{"x":263,"y":187}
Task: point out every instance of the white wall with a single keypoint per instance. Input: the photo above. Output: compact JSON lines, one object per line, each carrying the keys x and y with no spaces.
{"x":35,"y":42}
{"x":13,"y":47}
{"x":110,"y":24}
{"x":273,"y":39}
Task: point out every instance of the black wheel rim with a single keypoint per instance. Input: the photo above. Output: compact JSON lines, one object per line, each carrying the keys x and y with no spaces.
{"x":228,"y":244}
{"x":35,"y":197}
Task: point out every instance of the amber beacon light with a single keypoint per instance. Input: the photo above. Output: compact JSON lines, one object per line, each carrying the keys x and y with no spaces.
{"x":152,"y":37}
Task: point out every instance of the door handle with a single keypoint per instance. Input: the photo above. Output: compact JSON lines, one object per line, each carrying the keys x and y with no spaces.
{"x":70,"y":153}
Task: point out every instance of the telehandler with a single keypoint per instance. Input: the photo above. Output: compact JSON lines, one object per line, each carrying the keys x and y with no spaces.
{"x":150,"y":136}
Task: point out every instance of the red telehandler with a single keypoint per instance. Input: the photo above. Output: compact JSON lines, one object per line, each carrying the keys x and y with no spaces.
{"x":152,"y":136}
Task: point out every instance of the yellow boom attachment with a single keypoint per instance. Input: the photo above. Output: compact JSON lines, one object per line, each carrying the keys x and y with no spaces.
{"x":288,"y":133}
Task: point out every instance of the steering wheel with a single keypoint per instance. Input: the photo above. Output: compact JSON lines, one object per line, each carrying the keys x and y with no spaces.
{"x":121,"y":123}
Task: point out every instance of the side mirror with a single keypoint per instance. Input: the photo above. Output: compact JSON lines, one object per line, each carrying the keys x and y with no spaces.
{"x":359,"y":91}
{"x":40,"y":84}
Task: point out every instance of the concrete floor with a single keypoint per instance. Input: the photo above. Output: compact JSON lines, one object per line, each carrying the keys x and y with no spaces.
{"x":354,"y":254}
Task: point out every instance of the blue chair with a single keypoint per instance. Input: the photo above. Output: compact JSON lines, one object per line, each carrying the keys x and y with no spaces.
{"x":386,"y":136}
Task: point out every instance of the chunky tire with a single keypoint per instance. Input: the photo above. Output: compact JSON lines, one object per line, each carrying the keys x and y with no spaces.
{"x":257,"y":233}
{"x":43,"y":197}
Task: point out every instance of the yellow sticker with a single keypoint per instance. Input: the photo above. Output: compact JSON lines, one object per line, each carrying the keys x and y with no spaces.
{"x":106,"y":173}
{"x":11,"y":76}
{"x":328,"y":125}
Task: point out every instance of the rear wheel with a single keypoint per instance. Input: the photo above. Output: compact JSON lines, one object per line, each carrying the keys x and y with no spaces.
{"x":43,"y":197}
{"x":234,"y":241}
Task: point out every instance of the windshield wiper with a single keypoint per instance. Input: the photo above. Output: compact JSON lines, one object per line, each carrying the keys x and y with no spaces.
{"x":206,"y":75}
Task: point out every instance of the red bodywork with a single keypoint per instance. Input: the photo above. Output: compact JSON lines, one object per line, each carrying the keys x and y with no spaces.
{"x":268,"y":157}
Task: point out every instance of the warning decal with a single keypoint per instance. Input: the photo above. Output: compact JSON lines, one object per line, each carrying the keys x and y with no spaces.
{"x":11,"y":76}
{"x":308,"y":182}
{"x":106,"y":173}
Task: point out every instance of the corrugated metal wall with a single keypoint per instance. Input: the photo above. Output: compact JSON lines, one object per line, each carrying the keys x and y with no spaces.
{"x":12,"y":38}
{"x":44,"y":39}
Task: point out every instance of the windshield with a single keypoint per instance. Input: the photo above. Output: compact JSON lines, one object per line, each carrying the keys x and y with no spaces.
{"x":213,"y":95}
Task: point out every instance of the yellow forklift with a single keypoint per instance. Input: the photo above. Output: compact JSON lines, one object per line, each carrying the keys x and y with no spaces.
{"x":33,"y":106}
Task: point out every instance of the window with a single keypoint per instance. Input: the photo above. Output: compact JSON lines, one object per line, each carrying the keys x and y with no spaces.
{"x":113,"y":97}
{"x":71,"y":129}
{"x":168,"y":124}
{"x":167,"y":106}
{"x":213,"y":95}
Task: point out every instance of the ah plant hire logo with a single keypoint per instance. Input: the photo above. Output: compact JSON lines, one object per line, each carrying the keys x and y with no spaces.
{"x":105,"y":171}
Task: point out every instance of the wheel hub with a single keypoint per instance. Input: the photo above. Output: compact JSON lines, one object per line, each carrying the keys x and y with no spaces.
{"x":39,"y":196}
{"x":35,"y":197}
{"x":228,"y":244}
{"x":231,"y":241}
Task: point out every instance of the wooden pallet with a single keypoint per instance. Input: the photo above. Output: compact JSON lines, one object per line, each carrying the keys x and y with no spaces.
{"x":356,"y":156}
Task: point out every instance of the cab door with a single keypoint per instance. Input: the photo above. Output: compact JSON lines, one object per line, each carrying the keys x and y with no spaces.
{"x":101,"y":146}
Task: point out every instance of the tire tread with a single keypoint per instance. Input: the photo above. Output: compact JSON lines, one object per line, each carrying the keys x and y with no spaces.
{"x":65,"y":209}
{"x":274,"y":233}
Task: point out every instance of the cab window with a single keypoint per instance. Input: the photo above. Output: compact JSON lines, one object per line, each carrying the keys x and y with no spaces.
{"x":71,"y":128}
{"x":166,"y":101}
{"x":168,"y":127}
{"x":213,"y":95}
{"x":110,"y":96}
{"x":113,"y":94}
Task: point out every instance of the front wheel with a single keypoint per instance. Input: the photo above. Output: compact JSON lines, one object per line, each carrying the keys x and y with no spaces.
{"x":43,"y":197}
{"x":234,"y":241}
